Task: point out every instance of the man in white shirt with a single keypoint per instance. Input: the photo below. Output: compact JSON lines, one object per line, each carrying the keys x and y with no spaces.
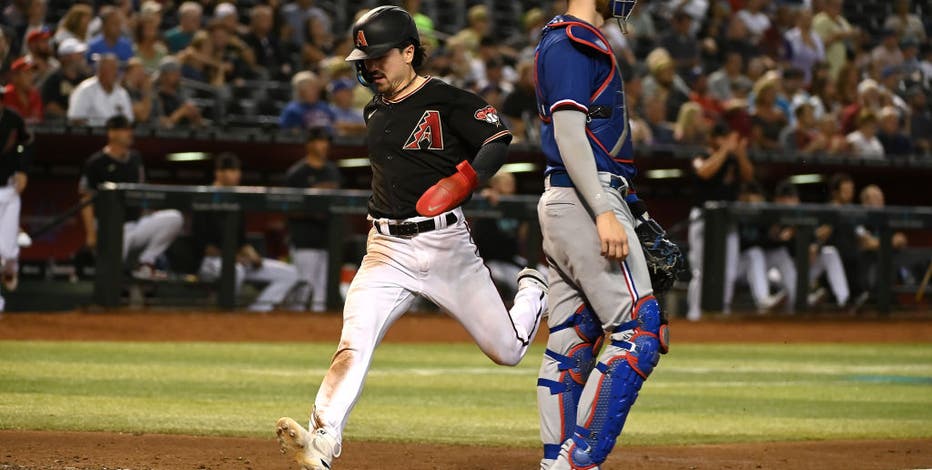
{"x":101,"y":96}
{"x":864,"y":142}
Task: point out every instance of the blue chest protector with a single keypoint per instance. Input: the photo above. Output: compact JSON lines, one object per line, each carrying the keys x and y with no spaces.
{"x":575,"y":68}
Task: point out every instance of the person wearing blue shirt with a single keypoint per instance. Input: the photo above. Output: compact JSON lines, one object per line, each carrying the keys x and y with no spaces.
{"x":306,"y":110}
{"x":111,"y":40}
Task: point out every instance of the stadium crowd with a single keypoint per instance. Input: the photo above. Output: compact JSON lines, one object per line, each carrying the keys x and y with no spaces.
{"x":790,"y":75}
{"x":735,"y":77}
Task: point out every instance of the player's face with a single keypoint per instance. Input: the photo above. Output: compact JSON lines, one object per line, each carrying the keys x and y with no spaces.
{"x":319,"y":147}
{"x":228,"y":177}
{"x":121,"y":137}
{"x":392,"y":70}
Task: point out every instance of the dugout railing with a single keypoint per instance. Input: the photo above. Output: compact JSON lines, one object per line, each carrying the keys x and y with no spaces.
{"x":113,"y":199}
{"x":721,"y":217}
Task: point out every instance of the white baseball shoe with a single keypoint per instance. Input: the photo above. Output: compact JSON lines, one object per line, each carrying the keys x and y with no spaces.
{"x":313,"y":450}
{"x":529,"y":277}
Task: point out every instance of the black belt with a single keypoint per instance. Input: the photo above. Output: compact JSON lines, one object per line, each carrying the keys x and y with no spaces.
{"x":410,"y":229}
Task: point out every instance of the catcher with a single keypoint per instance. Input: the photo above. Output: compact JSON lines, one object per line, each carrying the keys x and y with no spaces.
{"x":599,"y":282}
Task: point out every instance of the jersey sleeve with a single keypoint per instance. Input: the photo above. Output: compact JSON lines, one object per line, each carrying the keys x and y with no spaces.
{"x":565,"y":74}
{"x":475,"y":121}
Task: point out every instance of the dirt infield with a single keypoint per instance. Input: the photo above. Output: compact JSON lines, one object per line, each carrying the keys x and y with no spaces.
{"x":199,"y":326}
{"x":67,"y":450}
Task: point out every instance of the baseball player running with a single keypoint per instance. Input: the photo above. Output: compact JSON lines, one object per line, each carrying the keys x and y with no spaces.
{"x":430,"y":145}
{"x":599,"y":280}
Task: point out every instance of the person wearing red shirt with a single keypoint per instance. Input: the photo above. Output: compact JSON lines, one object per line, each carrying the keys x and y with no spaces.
{"x":21,"y":95}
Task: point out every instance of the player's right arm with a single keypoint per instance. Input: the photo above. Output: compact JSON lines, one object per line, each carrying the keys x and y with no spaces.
{"x":564,"y":70}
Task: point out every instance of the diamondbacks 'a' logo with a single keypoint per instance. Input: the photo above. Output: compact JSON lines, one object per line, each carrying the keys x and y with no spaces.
{"x":427,"y":129}
{"x":489,"y":115}
{"x":361,"y":39}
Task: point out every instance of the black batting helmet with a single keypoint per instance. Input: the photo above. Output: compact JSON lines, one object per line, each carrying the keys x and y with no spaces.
{"x":380,"y":30}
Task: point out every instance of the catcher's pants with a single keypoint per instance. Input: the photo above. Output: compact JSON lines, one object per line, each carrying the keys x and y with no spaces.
{"x":153,"y":233}
{"x":696,"y":249}
{"x":580,"y":275}
{"x":281,"y":278}
{"x":312,"y":267}
{"x":441,"y":265}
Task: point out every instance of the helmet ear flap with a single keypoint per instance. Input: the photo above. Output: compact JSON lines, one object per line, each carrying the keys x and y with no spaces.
{"x":362,"y":74}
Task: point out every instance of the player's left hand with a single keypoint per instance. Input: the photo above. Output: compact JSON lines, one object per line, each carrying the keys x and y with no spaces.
{"x":448,"y":192}
{"x":19,"y":182}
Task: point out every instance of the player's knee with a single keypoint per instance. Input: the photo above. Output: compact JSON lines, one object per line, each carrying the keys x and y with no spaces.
{"x":172,"y":220}
{"x":644,"y":338}
{"x":506,"y":358}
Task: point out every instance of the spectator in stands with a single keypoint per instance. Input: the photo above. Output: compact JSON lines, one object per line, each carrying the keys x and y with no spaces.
{"x":803,"y":137}
{"x":296,"y":15}
{"x":920,"y":119}
{"x":887,"y":53}
{"x":271,"y":61}
{"x":722,"y":81}
{"x":21,"y":95}
{"x":792,"y":92}
{"x":835,"y":31}
{"x":681,"y":43}
{"x":139,"y":86}
{"x":755,"y":20}
{"x":347,"y":119}
{"x":100,"y":97}
{"x":39,"y":53}
{"x":822,"y":93}
{"x":905,"y":24}
{"x":189,"y":23}
{"x":425,"y":25}
{"x":642,"y":32}
{"x":767,"y":120}
{"x":319,"y":44}
{"x":533,"y":22}
{"x":804,"y":47}
{"x":225,"y":13}
{"x":306,"y":110}
{"x":309,"y":232}
{"x":498,"y":239}
{"x":691,"y":126}
{"x":664,"y":84}
{"x":111,"y":39}
{"x":520,"y":107}
{"x":895,"y":142}
{"x":656,"y":117}
{"x":911,"y":68}
{"x":171,"y":106}
{"x":718,"y":175}
{"x":36,"y":11}
{"x":149,"y":47}
{"x":74,"y":24}
{"x":236,"y":57}
{"x":6,"y":57}
{"x":863,"y":142}
{"x":199,"y":62}
{"x":208,"y":227}
{"x":57,"y":89}
{"x":479,"y":26}
{"x":836,"y":141}
{"x":117,"y":162}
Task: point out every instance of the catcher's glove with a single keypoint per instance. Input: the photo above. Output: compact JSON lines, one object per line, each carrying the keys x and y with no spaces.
{"x":664,"y":259}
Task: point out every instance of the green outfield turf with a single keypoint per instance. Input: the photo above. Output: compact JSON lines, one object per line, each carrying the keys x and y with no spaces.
{"x":453,"y":394}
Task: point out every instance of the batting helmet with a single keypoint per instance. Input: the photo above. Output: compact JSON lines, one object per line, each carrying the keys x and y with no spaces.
{"x":381,"y":30}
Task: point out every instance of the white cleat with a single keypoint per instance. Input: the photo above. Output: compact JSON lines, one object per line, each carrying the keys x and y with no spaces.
{"x":311,"y":450}
{"x":529,"y":277}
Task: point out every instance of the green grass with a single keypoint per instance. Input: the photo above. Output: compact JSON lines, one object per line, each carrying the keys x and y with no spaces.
{"x":453,"y":394}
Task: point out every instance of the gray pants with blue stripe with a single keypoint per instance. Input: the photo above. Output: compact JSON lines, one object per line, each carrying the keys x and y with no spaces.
{"x":588,"y":295}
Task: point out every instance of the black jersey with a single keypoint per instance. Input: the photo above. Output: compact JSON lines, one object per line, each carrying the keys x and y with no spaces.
{"x":420,"y":138}
{"x":13,"y":140}
{"x":723,"y":186}
{"x":103,"y":168}
{"x":310,"y":230}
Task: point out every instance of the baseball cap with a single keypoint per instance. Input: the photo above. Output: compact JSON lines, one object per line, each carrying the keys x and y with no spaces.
{"x":319,"y":133}
{"x":38,"y":34}
{"x":227,"y":161}
{"x":341,"y":84}
{"x":118,"y":121}
{"x":71,"y":46}
{"x":22,"y":63}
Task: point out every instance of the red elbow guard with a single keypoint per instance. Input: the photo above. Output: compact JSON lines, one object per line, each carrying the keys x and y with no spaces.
{"x":448,"y":192}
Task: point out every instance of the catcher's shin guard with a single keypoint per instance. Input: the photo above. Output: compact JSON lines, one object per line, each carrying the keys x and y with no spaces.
{"x":627,"y":361}
{"x":564,"y":375}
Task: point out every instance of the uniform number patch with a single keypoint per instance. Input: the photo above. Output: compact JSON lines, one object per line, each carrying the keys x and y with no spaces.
{"x":489,"y":115}
{"x":428,"y":130}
